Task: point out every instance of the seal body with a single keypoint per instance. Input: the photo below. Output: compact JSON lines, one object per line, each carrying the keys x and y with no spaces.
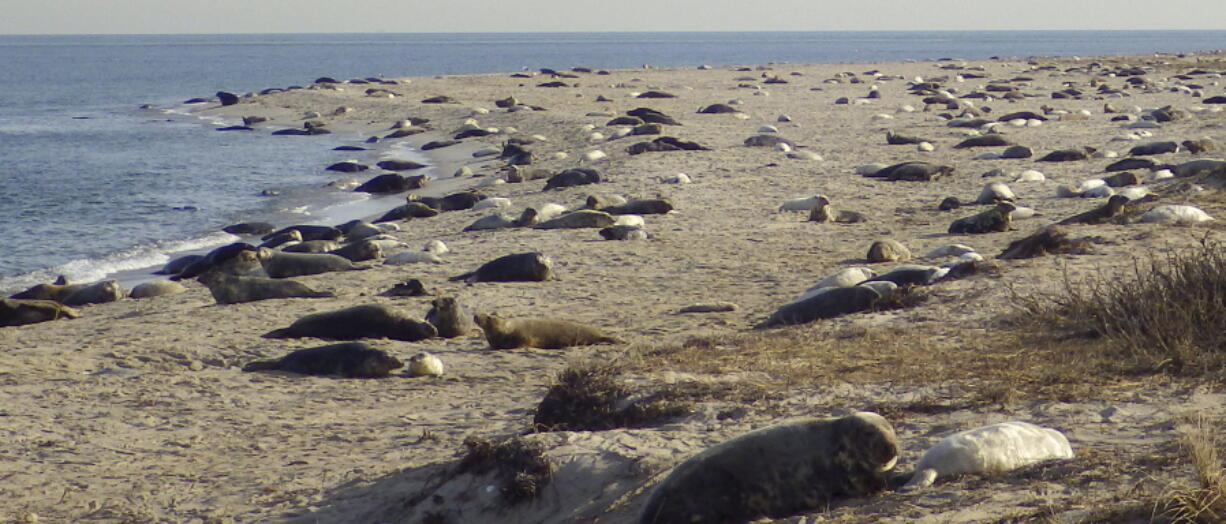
{"x":449,"y":318}
{"x":582,"y":218}
{"x":425,"y":365}
{"x":156,"y":289}
{"x":176,"y":266}
{"x":366,"y":321}
{"x":230,"y":289}
{"x":96,"y":293}
{"x":578,"y":176}
{"x":236,"y":258}
{"x":1113,"y":207}
{"x":522,"y":267}
{"x":503,"y":333}
{"x":829,"y":303}
{"x":18,"y":312}
{"x":640,"y":207}
{"x":778,"y":471}
{"x":284,"y":265}
{"x":998,"y":219}
{"x":359,"y":251}
{"x":990,"y":449}
{"x":350,"y":360}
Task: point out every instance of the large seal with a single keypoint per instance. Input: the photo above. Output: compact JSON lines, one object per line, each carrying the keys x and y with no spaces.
{"x":156,"y":288}
{"x":504,"y":333}
{"x":823,"y":303}
{"x":449,"y":318}
{"x":229,"y":289}
{"x":310,"y":232}
{"x":995,"y":220}
{"x":284,"y":265}
{"x":236,"y":258}
{"x":359,"y":251}
{"x":640,"y":207}
{"x":96,"y":293}
{"x":16,"y":312}
{"x":990,"y":449}
{"x":366,"y":321}
{"x":349,"y":360}
{"x":573,"y":177}
{"x":822,"y":211}
{"x":583,"y":218}
{"x":176,"y":266}
{"x":1113,"y":207}
{"x":520,"y":267}
{"x":778,"y":471}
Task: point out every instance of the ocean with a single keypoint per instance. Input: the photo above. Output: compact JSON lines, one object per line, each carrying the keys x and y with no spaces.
{"x":91,"y":184}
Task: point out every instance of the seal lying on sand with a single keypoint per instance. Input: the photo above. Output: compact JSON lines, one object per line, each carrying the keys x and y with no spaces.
{"x":998,"y":219}
{"x":156,"y":288}
{"x":520,"y":267}
{"x":229,"y":289}
{"x":366,"y":321}
{"x":75,"y":294}
{"x":236,"y":258}
{"x":284,"y":265}
{"x":503,"y":333}
{"x":16,"y":312}
{"x":989,"y":449}
{"x":778,"y":471}
{"x":582,"y":218}
{"x":449,"y":318}
{"x":349,"y":360}
{"x":831,"y":303}
{"x":1113,"y":207}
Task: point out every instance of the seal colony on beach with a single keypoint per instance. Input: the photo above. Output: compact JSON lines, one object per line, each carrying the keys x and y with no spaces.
{"x":758,"y":235}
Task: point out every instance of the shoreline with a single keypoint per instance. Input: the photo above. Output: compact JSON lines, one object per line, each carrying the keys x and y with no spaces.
{"x":144,"y":401}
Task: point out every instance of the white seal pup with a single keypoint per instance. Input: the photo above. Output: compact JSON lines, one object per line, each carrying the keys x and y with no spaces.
{"x":156,"y":288}
{"x":801,"y":204}
{"x":425,"y":365}
{"x":989,"y":449}
{"x":1175,"y":215}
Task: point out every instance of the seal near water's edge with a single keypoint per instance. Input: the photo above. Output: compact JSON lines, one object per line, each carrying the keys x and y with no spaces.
{"x":17,"y":312}
{"x":230,"y":289}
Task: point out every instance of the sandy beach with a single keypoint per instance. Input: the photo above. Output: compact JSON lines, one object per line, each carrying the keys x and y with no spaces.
{"x":139,"y":412}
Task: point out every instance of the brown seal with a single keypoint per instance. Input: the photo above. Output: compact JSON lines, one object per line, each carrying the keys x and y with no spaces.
{"x":1113,"y":207}
{"x":998,"y":219}
{"x":230,"y":289}
{"x":349,"y":360}
{"x":520,"y":267}
{"x":283,"y":265}
{"x":504,"y":333}
{"x":778,"y":471}
{"x":18,"y":312}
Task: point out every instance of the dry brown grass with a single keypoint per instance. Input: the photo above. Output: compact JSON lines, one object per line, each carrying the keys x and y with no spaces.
{"x":1166,"y":317}
{"x":1206,"y":502}
{"x":519,"y":466}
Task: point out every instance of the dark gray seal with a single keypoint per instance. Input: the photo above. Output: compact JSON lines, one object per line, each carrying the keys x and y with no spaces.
{"x":573,"y":177}
{"x":520,"y":267}
{"x":656,"y":206}
{"x":283,"y":265}
{"x":912,"y":172}
{"x":230,"y":289}
{"x":827,"y":304}
{"x":236,"y":258}
{"x":349,"y":360}
{"x":366,"y":321}
{"x":776,"y":472}
{"x":449,"y":318}
{"x":176,"y":266}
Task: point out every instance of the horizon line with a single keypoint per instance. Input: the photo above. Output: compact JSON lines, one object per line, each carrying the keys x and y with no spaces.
{"x":623,"y":32}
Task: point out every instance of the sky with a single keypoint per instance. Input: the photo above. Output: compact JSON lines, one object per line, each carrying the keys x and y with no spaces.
{"x":414,"y":16}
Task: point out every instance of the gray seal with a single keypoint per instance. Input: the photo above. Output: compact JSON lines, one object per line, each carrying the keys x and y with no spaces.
{"x":18,"y":312}
{"x":583,"y":218}
{"x":520,"y":267}
{"x":449,"y":318}
{"x":995,"y":220}
{"x":283,"y":265}
{"x":778,"y":471}
{"x":230,"y":289}
{"x":827,"y":304}
{"x":366,"y":321}
{"x":349,"y":360}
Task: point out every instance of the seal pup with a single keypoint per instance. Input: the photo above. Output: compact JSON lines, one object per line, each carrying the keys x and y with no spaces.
{"x":425,"y":365}
{"x":19,"y":312}
{"x":824,"y":304}
{"x":519,"y":267}
{"x":365,"y":321}
{"x":989,"y":449}
{"x":449,"y":318}
{"x":349,"y":360}
{"x":284,"y":265}
{"x":994,"y":192}
{"x":822,"y":211}
{"x":230,"y":289}
{"x":511,"y":333}
{"x":997,"y":219}
{"x":779,"y":471}
{"x":1175,"y":215}
{"x":156,"y":288}
{"x":1113,"y":207}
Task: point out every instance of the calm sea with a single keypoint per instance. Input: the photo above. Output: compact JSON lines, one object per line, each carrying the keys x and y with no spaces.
{"x":90,"y":184}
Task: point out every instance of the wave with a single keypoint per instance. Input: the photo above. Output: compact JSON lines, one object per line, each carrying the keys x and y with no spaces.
{"x":137,"y":257}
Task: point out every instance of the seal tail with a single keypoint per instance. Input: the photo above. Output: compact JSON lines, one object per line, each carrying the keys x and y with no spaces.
{"x":462,"y":277}
{"x":278,"y":333}
{"x":261,"y":365}
{"x":610,"y":340}
{"x":320,"y":294}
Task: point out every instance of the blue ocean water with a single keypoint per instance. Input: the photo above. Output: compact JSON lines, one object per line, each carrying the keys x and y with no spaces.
{"x":91,"y":184}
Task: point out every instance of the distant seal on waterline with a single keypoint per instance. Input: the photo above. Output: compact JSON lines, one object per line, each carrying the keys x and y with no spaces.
{"x":283,"y":265}
{"x":349,"y":360}
{"x":449,"y":318}
{"x":778,"y":471}
{"x":366,"y":321}
{"x":520,"y":267}
{"x":504,"y":333}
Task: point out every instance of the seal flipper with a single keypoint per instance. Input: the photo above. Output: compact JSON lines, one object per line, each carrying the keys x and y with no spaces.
{"x":278,"y":333}
{"x":262,"y":365}
{"x":921,"y":479}
{"x":465,"y":276}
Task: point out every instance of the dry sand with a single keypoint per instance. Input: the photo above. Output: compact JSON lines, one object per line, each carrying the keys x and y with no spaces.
{"x":137,"y":412}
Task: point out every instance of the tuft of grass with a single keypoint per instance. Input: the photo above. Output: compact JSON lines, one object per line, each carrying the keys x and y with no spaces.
{"x":1205,"y":503}
{"x":519,"y":466}
{"x":1166,"y":317}
{"x":591,"y":398}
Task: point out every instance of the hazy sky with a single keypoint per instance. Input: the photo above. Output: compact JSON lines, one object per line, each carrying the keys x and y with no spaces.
{"x":412,"y":16}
